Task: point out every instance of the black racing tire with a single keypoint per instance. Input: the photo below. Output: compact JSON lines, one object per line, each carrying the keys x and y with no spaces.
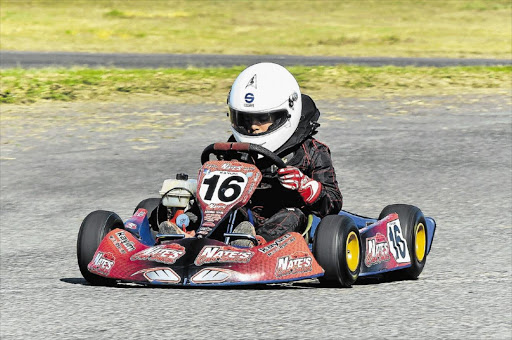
{"x":157,"y":212}
{"x":413,"y":226}
{"x":337,"y":248}
{"x":92,"y":231}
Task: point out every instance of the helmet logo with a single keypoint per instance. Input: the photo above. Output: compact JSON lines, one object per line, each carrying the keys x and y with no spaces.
{"x":249,"y":98}
{"x":252,"y":82}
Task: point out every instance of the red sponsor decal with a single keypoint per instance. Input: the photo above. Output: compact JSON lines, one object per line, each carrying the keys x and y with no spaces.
{"x":377,"y":250}
{"x":218,"y":254}
{"x":212,"y":217}
{"x":166,"y":253}
{"x":276,"y":245}
{"x":205,"y":228}
{"x":102,"y":263}
{"x":298,"y":262}
{"x":216,"y":206}
{"x":121,"y":242}
{"x":130,"y":225}
{"x":140,"y":213}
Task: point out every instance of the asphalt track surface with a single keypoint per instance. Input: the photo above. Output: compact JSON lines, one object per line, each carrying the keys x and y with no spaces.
{"x":451,"y":156}
{"x":9,"y":59}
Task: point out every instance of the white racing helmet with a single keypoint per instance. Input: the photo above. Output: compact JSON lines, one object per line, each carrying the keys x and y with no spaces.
{"x":265,"y":92}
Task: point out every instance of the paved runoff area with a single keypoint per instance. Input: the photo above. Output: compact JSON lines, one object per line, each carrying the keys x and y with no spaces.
{"x":450,"y":156}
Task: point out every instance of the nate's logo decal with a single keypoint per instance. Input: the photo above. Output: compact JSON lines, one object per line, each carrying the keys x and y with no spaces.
{"x":298,"y":262}
{"x":377,"y":250}
{"x":216,"y":254}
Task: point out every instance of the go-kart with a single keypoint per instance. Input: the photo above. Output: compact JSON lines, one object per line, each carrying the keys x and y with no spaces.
{"x":337,"y":249}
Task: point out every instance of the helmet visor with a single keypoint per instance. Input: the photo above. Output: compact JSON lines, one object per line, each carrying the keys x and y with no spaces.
{"x":244,"y":122}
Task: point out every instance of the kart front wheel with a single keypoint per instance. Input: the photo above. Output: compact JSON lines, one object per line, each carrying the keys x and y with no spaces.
{"x":337,"y":248}
{"x":92,"y":231}
{"x":413,"y":226}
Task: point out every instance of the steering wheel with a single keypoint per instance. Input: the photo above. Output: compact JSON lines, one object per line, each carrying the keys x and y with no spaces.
{"x":232,"y":149}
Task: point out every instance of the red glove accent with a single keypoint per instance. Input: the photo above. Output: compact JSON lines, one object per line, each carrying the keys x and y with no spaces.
{"x":293,"y":179}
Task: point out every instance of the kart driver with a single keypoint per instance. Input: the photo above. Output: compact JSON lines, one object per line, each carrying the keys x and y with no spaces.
{"x":267,"y":108}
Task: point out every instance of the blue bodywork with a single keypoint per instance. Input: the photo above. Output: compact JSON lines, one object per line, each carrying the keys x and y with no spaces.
{"x":362,"y":222}
{"x":140,"y":229}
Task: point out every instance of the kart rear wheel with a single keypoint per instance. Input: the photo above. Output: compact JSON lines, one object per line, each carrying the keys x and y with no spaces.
{"x":92,"y":231}
{"x":413,"y":226}
{"x":157,"y":212}
{"x":337,"y":248}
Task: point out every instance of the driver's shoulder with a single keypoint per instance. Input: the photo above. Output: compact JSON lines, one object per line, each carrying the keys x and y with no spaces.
{"x":303,"y":154}
{"x":312,"y":146}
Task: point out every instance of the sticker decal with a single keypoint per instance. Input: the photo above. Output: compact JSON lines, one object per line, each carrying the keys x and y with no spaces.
{"x":130,"y":225}
{"x":205,"y":229}
{"x":140,"y":213}
{"x":397,"y":242}
{"x":277,"y":245}
{"x":222,"y":187}
{"x":252,"y":82}
{"x":162,"y":275}
{"x":249,"y":98}
{"x":211,"y":275}
{"x":377,"y":250}
{"x":298,"y":262}
{"x":121,"y":242}
{"x":102,"y":263}
{"x":218,"y":254}
{"x":166,"y":253}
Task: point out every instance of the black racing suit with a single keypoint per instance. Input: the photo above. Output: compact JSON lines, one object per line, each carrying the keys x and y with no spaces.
{"x":277,"y":210}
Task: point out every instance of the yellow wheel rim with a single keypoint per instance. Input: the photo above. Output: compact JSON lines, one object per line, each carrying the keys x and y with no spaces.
{"x":352,"y":251}
{"x":421,"y":241}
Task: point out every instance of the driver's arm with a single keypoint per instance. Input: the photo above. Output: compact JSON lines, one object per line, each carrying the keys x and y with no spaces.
{"x":330,"y":199}
{"x":314,"y":179}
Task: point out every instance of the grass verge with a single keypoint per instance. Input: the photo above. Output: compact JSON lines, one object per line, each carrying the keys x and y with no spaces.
{"x":211,"y":85}
{"x":426,"y":28}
